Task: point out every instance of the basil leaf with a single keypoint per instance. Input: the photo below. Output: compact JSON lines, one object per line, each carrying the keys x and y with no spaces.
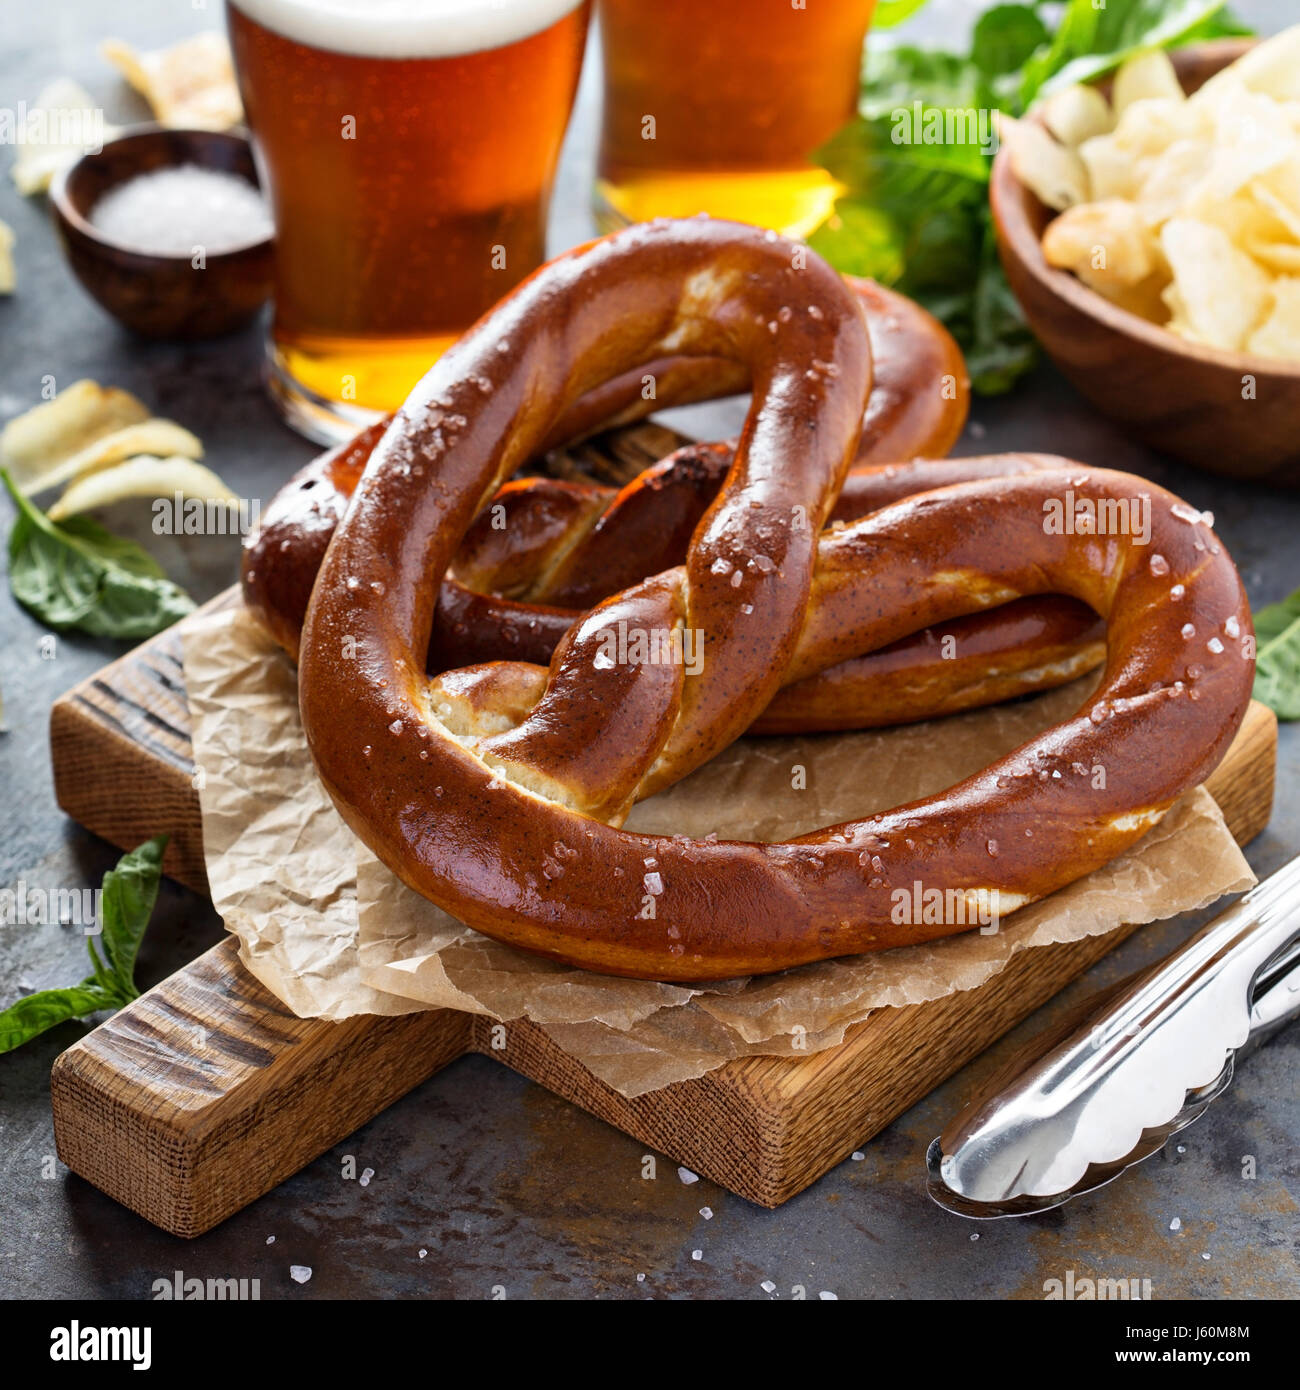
{"x":861,"y":240}
{"x":896,"y":77}
{"x":1093,"y":40}
{"x":78,"y":575}
{"x":1006,"y":37}
{"x":129,"y":893}
{"x":1277,"y":656}
{"x":889,"y":13}
{"x":37,"y":1013}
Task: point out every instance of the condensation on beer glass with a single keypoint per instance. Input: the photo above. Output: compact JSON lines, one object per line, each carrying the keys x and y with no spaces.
{"x":408,"y":148}
{"x":716,"y":107}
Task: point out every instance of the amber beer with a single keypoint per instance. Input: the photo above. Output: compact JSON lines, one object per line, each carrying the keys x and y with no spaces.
{"x":715,"y":107}
{"x":409,"y":149}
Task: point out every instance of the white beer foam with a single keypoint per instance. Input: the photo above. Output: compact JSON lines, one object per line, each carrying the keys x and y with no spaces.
{"x":406,"y":28}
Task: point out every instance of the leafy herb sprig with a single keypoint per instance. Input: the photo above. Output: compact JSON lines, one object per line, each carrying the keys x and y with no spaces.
{"x":916,"y":214}
{"x":1277,"y":656}
{"x":75,"y":574}
{"x":129,"y":893}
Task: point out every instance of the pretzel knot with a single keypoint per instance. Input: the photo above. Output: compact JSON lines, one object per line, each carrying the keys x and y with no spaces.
{"x":497,"y":790}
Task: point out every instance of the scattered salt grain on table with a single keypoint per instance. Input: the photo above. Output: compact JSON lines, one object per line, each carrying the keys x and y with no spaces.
{"x":366,"y":1175}
{"x":699,"y":1255}
{"x":767,"y":1286}
{"x":1206,"y":1255}
{"x":707,"y":1213}
{"x":640,"y":1278}
{"x":1176,"y":1224}
{"x":423,"y":1253}
{"x":300,"y":1273}
{"x":270,"y":1240}
{"x":169,"y":212}
{"x":827,"y":1296}
{"x":857,"y":1156}
{"x":687,"y":1176}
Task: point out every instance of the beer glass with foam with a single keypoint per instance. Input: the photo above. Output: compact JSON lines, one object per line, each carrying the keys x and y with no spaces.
{"x":716,"y":107}
{"x":408,"y":148}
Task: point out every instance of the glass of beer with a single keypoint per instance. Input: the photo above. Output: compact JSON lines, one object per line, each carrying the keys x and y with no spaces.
{"x":408,"y":148}
{"x":716,"y":107}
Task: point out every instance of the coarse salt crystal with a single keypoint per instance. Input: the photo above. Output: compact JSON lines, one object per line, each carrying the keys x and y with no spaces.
{"x":173,"y":212}
{"x":300,"y":1273}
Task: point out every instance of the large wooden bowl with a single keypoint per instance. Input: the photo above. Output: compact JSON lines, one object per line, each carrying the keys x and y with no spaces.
{"x":1230,"y":412}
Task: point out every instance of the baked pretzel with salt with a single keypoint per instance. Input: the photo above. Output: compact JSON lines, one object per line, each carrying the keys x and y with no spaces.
{"x":496,"y":791}
{"x":545,"y":542}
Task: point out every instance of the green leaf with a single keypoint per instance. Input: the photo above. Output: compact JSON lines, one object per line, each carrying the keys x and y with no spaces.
{"x":889,"y":13}
{"x":37,"y":1013}
{"x":1006,"y":37}
{"x":78,"y":575}
{"x":896,"y":77}
{"x":861,"y":240}
{"x":129,"y":893}
{"x":1002,"y":348}
{"x":1277,"y":656}
{"x":1093,"y":40}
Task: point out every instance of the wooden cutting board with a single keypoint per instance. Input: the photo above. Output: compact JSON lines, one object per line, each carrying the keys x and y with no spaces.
{"x":206,"y":1092}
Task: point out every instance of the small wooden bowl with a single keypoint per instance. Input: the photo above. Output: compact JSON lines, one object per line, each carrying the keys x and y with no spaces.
{"x":1229,"y":412}
{"x":156,"y":295}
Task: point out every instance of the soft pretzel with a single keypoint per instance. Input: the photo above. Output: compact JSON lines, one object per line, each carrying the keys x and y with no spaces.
{"x":495,"y":791}
{"x":544,"y":550}
{"x":916,"y":408}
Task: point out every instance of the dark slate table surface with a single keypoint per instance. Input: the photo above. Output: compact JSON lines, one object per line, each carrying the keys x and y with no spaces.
{"x":498,"y":1181}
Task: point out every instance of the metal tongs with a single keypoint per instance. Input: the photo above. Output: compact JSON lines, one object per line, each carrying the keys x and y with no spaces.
{"x":1134,"y":1065}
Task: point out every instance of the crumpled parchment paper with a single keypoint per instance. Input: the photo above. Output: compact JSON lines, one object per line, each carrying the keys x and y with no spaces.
{"x":332,"y":932}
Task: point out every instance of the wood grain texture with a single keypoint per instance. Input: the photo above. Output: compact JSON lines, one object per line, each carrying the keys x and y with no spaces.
{"x":206,"y":1092}
{"x":1177,"y":396}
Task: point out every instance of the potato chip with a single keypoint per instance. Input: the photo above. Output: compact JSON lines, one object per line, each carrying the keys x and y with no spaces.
{"x":1145,"y":299}
{"x":1166,"y":180}
{"x":1075,"y":114}
{"x":1219,"y":295}
{"x":1271,"y":67}
{"x":157,"y":437}
{"x":140,"y":476}
{"x":191,"y":84}
{"x":1056,"y":175}
{"x":60,"y":126}
{"x":1240,"y":216}
{"x":1279,"y":334}
{"x":6,"y":258}
{"x":1103,"y":243}
{"x":36,"y":446}
{"x":1151,"y":125}
{"x":1147,"y":75}
{"x":1286,"y":214}
{"x":1193,"y":208}
{"x":1111,"y":171}
{"x":1281,"y":257}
